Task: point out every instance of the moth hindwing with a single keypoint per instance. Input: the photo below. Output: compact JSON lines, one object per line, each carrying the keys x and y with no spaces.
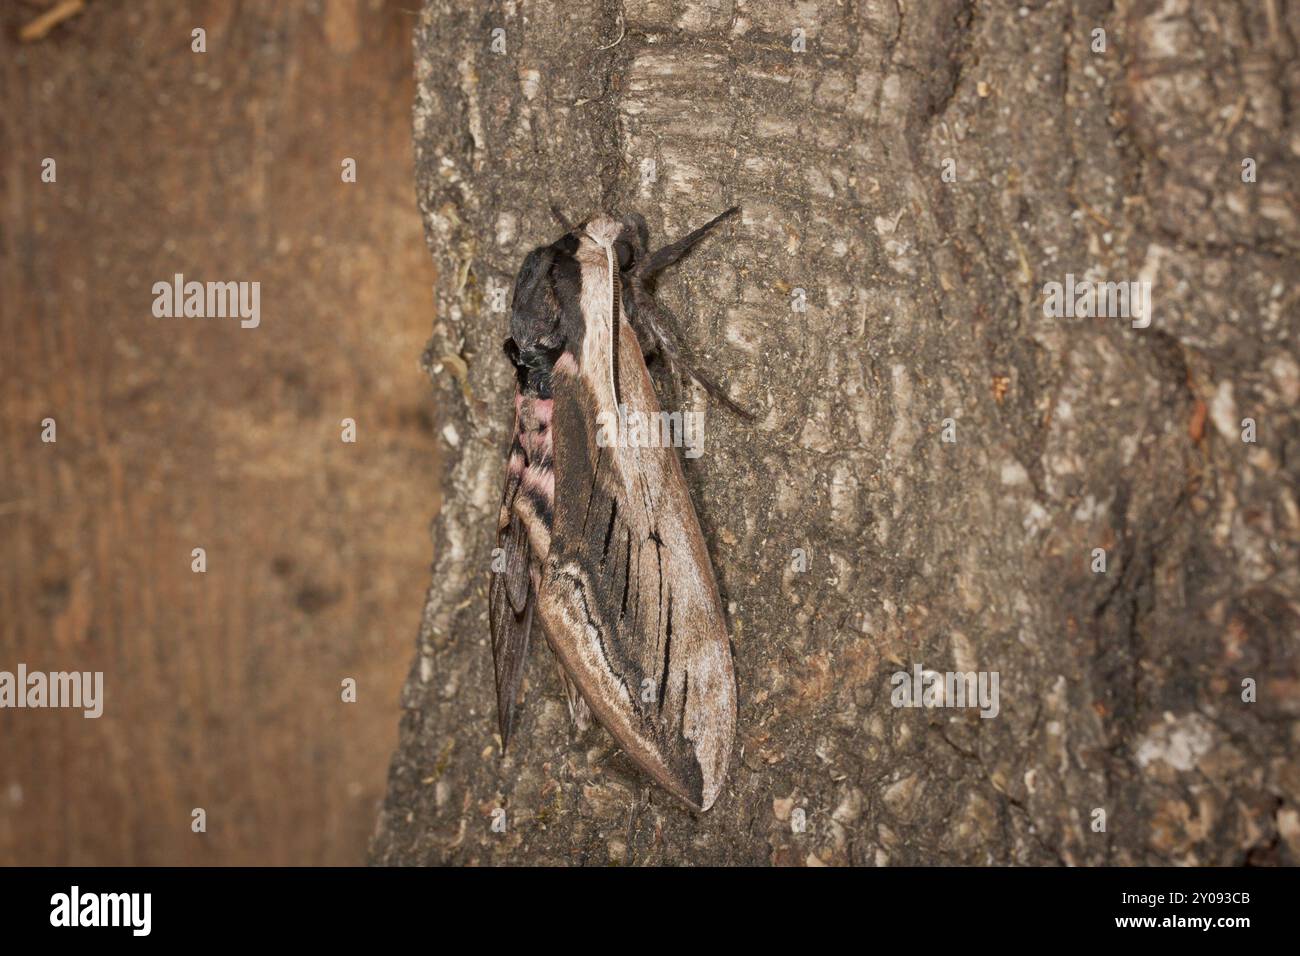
{"x":599,"y":541}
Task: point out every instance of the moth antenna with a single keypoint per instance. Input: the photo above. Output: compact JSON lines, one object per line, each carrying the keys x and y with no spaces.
{"x":559,"y":217}
{"x":661,"y":259}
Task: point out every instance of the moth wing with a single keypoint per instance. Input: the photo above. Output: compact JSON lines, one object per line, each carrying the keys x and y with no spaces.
{"x":522,"y":536}
{"x":628,"y":598}
{"x":511,"y":624}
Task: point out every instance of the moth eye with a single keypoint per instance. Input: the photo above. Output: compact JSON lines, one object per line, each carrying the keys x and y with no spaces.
{"x":624,"y":252}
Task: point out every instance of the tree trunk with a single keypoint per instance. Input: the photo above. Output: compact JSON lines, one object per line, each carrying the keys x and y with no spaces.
{"x":948,"y":457}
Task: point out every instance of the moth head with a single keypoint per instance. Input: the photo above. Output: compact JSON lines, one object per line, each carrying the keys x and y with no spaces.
{"x":625,"y":253}
{"x":601,"y":230}
{"x":622,"y":235}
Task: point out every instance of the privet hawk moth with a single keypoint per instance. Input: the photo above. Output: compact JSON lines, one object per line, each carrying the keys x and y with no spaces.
{"x":600,"y":540}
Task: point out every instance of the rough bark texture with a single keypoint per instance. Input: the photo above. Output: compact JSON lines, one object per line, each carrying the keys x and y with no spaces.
{"x":1120,"y":691}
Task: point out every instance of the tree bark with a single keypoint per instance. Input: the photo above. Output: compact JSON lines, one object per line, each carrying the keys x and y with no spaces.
{"x":1120,"y":691}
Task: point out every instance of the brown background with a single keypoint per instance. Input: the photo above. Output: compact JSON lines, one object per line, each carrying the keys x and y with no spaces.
{"x":222,"y":689}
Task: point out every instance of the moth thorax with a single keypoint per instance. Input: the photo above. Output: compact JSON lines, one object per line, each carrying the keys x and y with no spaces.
{"x":601,"y":307}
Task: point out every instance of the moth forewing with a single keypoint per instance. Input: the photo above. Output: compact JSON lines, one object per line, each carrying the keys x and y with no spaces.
{"x":628,"y":599}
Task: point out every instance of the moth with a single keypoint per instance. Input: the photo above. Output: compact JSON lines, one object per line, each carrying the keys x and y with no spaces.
{"x":598,"y":540}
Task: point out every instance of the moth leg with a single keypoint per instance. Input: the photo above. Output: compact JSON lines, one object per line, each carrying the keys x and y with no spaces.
{"x":648,"y":318}
{"x":651,"y":318}
{"x":579,"y":712}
